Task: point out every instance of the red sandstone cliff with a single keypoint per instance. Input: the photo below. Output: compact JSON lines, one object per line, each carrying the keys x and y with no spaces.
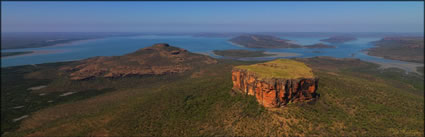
{"x":274,"y":92}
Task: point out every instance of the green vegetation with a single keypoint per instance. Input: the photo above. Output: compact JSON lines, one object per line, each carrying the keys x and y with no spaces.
{"x":5,"y":54}
{"x":409,"y":49}
{"x":280,"y":68}
{"x":241,"y":53}
{"x":357,"y":99}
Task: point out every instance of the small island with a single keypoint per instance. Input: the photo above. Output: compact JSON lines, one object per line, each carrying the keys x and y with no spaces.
{"x":339,"y":39}
{"x":241,"y":53}
{"x":319,"y":46}
{"x":263,"y":41}
{"x":8,"y":54}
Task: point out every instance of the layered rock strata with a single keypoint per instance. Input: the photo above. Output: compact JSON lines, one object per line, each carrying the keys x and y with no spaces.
{"x":274,"y":91}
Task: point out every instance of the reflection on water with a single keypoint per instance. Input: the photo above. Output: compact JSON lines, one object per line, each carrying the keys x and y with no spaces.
{"x":117,"y":46}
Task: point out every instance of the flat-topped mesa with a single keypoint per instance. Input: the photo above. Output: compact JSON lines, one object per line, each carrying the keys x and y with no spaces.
{"x":276,"y":83}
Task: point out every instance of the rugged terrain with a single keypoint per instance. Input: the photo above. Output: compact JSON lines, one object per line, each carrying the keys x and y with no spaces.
{"x":276,"y":83}
{"x":155,"y":60}
{"x":263,"y":41}
{"x":409,"y":49}
{"x":339,"y":39}
{"x":356,"y":99}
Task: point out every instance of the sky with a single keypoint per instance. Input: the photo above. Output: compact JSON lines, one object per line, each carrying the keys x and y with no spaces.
{"x":212,"y":16}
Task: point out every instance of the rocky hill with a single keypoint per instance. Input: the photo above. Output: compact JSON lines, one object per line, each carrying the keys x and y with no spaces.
{"x":263,"y":41}
{"x":276,"y":83}
{"x":155,"y":60}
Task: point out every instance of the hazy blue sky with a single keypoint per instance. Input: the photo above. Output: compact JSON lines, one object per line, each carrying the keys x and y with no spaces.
{"x":212,"y":16}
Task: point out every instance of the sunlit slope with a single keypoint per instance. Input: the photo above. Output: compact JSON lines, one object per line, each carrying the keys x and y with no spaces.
{"x":279,"y":68}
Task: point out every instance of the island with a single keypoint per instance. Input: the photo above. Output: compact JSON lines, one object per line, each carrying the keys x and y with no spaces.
{"x":339,"y":39}
{"x":8,"y":54}
{"x":410,"y":49}
{"x":319,"y":46}
{"x":241,"y":53}
{"x":262,"y":41}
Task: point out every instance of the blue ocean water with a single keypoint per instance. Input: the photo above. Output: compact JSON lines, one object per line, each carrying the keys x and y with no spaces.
{"x":116,"y":46}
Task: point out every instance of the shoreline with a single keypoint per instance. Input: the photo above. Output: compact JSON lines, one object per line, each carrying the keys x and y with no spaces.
{"x":367,"y":53}
{"x":270,"y":55}
{"x":408,"y":67}
{"x":36,"y":52}
{"x":72,"y":42}
{"x":39,"y":52}
{"x":282,"y":54}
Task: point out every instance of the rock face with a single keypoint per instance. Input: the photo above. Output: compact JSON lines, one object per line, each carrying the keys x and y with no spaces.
{"x":155,"y":60}
{"x":274,"y":91}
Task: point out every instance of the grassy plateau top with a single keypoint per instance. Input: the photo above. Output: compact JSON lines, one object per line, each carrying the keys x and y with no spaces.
{"x":280,"y":68}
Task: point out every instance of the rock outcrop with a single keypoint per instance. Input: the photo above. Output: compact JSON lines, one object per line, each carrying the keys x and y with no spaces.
{"x":294,"y":83}
{"x":155,"y":60}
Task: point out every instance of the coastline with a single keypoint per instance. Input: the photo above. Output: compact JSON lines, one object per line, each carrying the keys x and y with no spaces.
{"x":35,"y":52}
{"x":408,"y":66}
{"x":73,"y":42}
{"x":38,"y":52}
{"x":282,"y":54}
{"x":271,"y":55}
{"x":366,"y":52}
{"x":404,"y":65}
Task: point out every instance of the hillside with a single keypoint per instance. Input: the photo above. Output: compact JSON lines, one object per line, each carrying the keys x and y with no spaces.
{"x":409,"y":49}
{"x":262,"y":41}
{"x":155,"y":60}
